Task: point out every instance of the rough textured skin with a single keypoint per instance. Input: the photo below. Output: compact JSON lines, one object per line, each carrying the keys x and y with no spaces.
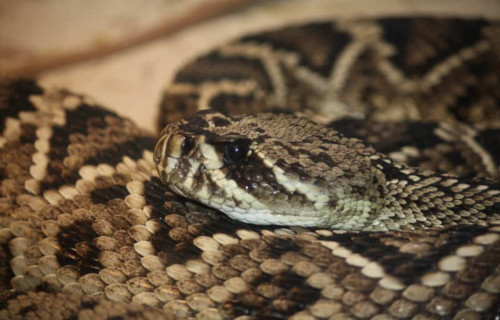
{"x":83,"y":212}
{"x":292,"y":171}
{"x":43,"y":305}
{"x":370,"y":73}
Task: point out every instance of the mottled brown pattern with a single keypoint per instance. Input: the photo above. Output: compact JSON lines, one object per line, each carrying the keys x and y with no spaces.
{"x":395,"y":71}
{"x":43,"y":305}
{"x":290,"y":158}
{"x":107,"y":240}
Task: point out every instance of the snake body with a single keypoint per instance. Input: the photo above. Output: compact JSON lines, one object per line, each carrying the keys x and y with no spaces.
{"x":275,"y":169}
{"x":324,"y":219}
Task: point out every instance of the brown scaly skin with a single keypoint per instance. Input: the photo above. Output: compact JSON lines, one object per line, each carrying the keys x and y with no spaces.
{"x":309,"y":175}
{"x":82,"y":210}
{"x":391,"y":73}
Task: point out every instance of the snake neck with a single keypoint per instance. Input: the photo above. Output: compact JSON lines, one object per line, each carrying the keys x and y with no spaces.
{"x":419,"y":199}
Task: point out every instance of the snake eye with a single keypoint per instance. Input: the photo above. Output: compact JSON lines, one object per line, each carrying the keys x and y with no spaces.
{"x":237,"y":151}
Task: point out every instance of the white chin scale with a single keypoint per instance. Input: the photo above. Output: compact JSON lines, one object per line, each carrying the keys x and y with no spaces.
{"x":265,"y":216}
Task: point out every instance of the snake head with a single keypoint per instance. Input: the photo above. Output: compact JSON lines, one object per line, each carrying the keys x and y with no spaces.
{"x":270,"y":169}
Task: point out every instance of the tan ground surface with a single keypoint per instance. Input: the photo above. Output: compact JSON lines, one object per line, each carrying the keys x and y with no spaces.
{"x":131,"y":80}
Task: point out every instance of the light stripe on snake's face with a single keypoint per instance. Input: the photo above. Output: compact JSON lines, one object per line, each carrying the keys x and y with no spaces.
{"x":271,"y":169}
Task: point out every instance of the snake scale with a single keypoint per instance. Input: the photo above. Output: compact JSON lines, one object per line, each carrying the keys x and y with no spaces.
{"x":387,"y":206}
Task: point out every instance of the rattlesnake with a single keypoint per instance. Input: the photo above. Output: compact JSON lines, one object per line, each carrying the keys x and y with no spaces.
{"x":91,"y":231}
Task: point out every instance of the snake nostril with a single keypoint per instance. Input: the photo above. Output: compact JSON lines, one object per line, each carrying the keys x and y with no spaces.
{"x":173,"y":146}
{"x":188,"y":146}
{"x":179,"y":145}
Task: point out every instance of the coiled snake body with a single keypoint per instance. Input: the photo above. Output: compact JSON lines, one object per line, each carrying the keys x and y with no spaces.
{"x":322,"y":221}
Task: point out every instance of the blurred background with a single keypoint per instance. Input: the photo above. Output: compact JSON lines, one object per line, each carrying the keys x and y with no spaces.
{"x":124,"y":52}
